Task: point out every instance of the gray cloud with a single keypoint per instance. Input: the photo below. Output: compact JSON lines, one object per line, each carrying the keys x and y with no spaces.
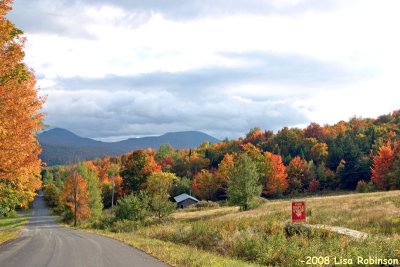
{"x":58,"y":17}
{"x":103,"y":113}
{"x":280,"y":69}
{"x":201,"y":99}
{"x":184,"y":9}
{"x":155,"y":103}
{"x":66,"y":17}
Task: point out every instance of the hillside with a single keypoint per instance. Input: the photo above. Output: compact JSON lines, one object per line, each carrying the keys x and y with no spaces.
{"x":61,"y":146}
{"x":258,"y":237}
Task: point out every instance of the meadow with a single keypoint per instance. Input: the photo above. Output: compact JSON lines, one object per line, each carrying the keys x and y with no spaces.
{"x":225,"y":236}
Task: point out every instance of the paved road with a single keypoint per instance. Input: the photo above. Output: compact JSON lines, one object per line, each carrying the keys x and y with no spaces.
{"x":44,"y":243}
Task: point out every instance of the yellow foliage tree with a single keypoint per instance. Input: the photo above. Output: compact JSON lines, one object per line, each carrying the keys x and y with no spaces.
{"x":20,"y":116}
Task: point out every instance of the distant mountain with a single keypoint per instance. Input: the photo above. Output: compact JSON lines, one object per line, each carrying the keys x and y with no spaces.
{"x":61,"y":146}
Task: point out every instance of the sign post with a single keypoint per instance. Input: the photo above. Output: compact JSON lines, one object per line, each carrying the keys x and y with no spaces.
{"x":298,"y":211}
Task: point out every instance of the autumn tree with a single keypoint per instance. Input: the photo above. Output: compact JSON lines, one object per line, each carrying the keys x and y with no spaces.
{"x":20,"y":117}
{"x":222,"y":174}
{"x":163,"y":152}
{"x":255,"y":136}
{"x":314,"y":130}
{"x":115,"y":182}
{"x":158,"y":186}
{"x":243,"y":183}
{"x":76,"y":197}
{"x":207,"y":185}
{"x":197,"y":162}
{"x":298,"y":175}
{"x":319,"y":152}
{"x":382,"y":168}
{"x":136,"y":168}
{"x":89,"y":172}
{"x":274,"y":174}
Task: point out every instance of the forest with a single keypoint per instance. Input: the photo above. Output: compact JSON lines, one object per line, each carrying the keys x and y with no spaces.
{"x":360,"y":154}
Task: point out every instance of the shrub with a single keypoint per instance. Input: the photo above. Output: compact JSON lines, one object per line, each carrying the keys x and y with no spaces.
{"x":297,"y":229}
{"x":133,"y":207}
{"x":364,"y":187}
{"x":249,"y":248}
{"x":105,"y":221}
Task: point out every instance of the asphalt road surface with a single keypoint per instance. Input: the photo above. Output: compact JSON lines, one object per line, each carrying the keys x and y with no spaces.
{"x":45,"y":243}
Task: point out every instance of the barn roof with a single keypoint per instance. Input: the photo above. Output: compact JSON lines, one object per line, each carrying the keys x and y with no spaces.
{"x":183,"y":197}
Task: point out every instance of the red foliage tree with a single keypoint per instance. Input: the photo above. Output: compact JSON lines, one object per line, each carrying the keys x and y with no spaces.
{"x":382,"y":167}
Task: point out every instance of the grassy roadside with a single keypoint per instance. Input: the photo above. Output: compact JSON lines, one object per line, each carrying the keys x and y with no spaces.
{"x":227,"y":237}
{"x":11,"y":227}
{"x":173,"y":254}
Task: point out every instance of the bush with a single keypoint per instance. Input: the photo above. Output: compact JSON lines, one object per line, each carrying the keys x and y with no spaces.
{"x":297,"y":229}
{"x":67,"y":215}
{"x":249,"y":248}
{"x":364,"y":187}
{"x":105,"y":221}
{"x":206,"y":204}
{"x":133,"y":207}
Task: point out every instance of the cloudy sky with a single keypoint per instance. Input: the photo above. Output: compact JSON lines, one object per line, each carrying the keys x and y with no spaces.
{"x":117,"y":68}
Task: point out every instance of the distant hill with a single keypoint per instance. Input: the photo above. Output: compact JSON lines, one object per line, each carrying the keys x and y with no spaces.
{"x":61,"y":146}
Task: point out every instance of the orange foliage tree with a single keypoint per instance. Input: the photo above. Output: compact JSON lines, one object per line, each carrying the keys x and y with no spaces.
{"x":76,"y":196}
{"x":206,"y":184}
{"x":222,"y":174}
{"x":20,"y":116}
{"x":298,"y":175}
{"x":275,"y":175}
{"x":135,"y":169}
{"x":382,"y":168}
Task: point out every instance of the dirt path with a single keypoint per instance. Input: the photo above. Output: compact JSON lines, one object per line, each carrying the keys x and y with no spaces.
{"x":340,"y":230}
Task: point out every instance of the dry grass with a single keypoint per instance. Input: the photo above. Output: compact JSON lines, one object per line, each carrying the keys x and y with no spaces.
{"x":220,"y":236}
{"x":174,"y":254}
{"x":190,"y":215}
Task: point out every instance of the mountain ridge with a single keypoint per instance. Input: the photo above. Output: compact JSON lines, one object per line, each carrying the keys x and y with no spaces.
{"x":61,"y":146}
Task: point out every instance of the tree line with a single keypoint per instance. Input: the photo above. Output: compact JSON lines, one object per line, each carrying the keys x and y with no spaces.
{"x":360,"y":154}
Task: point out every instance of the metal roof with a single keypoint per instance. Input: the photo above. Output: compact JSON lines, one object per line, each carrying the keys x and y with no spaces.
{"x":183,"y":197}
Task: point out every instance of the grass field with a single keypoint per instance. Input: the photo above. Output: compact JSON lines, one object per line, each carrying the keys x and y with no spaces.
{"x":10,"y":227}
{"x":227,"y":237}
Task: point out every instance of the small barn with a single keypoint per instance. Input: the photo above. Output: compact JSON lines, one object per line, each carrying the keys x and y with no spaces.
{"x":184,"y":200}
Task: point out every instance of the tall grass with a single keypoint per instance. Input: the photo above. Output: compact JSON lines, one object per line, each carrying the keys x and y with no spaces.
{"x":258,"y":236}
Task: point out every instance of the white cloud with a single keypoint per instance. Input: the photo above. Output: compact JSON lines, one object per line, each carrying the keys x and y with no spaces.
{"x":351,"y":52}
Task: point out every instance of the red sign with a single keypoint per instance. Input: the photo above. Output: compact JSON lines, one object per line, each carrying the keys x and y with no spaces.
{"x":298,"y":211}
